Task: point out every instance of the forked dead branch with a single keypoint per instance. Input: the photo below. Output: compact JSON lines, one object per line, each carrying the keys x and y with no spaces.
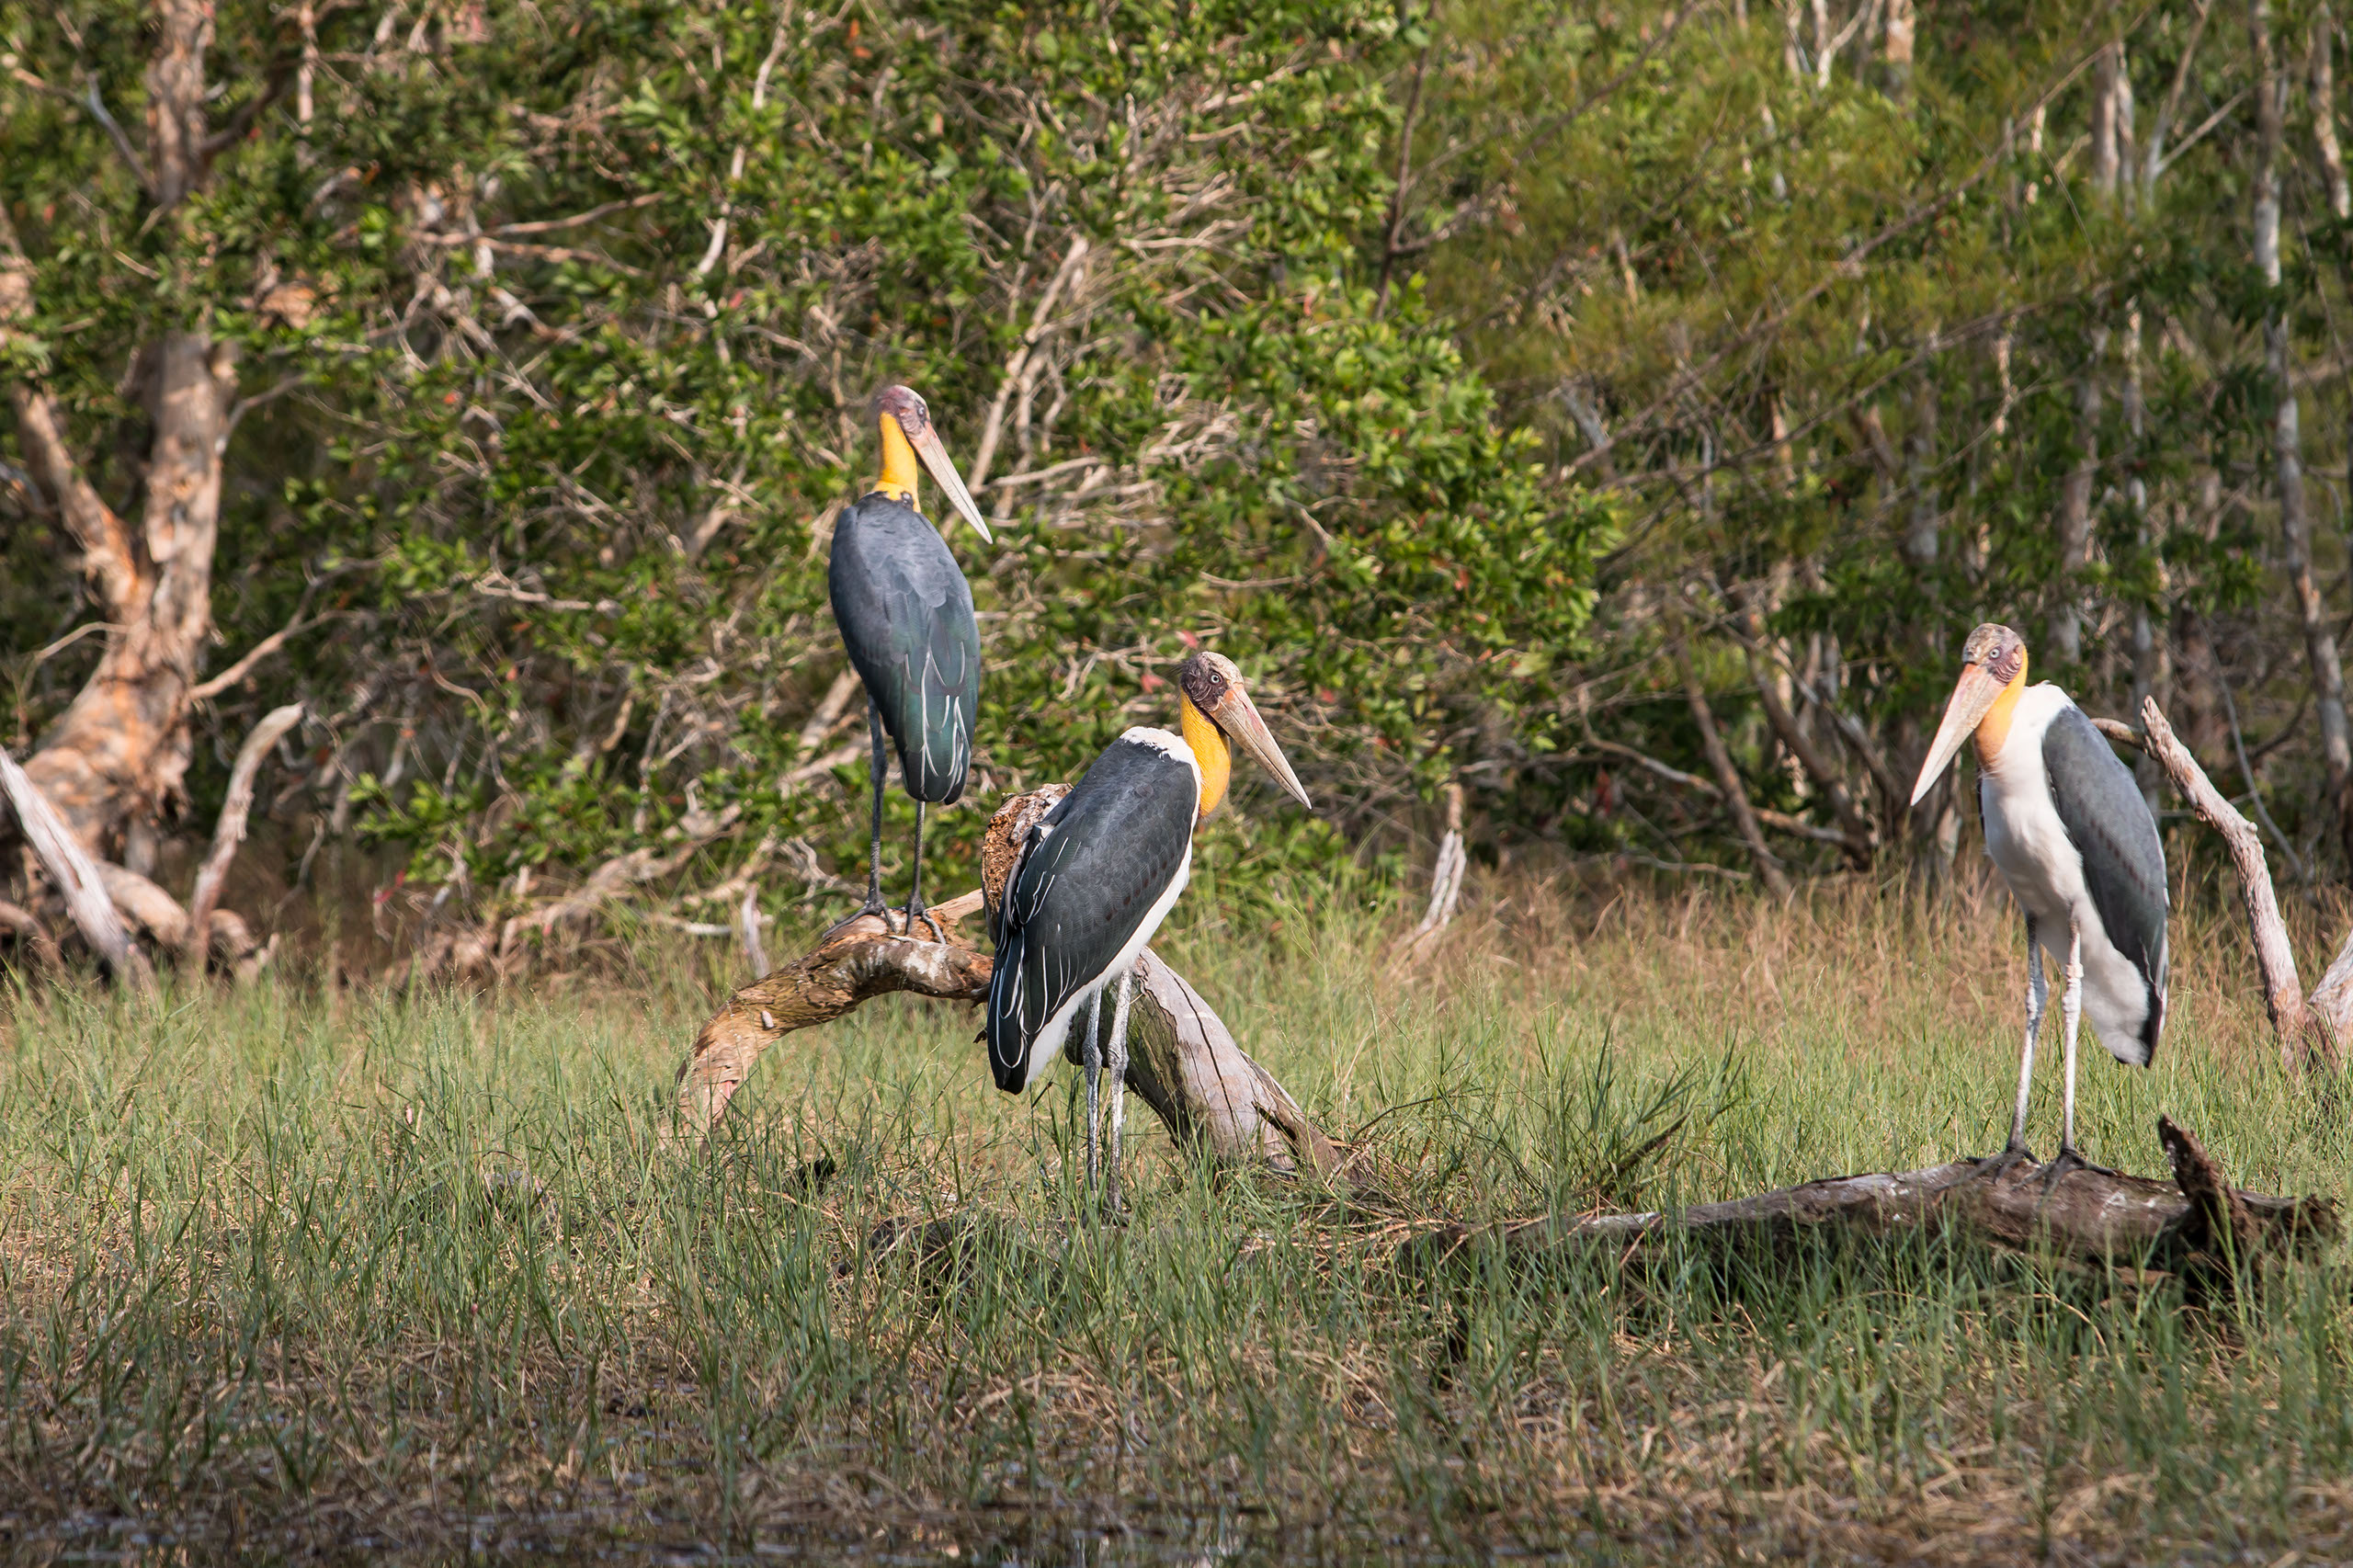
{"x":1183,"y":1060}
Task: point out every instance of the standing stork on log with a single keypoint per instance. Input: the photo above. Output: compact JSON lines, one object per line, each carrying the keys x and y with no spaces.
{"x":2073,"y":838}
{"x":905,"y":613}
{"x":1096,"y":876}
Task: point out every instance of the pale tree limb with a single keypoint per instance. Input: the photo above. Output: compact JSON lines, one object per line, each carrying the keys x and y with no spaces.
{"x":75,"y":873}
{"x":830,"y":709}
{"x":213,"y":686}
{"x":230,"y":831}
{"x":993,"y":427}
{"x":2308,"y":1030}
{"x":227,"y":937}
{"x":747,"y":926}
{"x":1446,"y":885}
{"x":1183,"y":1060}
{"x":619,"y":874}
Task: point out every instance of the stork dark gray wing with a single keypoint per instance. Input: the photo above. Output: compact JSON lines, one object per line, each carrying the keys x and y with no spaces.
{"x":1089,"y":875}
{"x":2124,"y":864}
{"x":905,"y":614}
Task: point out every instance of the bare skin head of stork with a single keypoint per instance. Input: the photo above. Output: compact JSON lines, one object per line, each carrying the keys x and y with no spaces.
{"x":907,"y":434}
{"x":1215,"y":711}
{"x":1992,"y":673}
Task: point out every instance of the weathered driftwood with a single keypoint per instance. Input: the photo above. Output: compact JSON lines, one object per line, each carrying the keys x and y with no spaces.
{"x":2197,"y":1225}
{"x":1183,"y":1061}
{"x":2315,"y":1029}
{"x":73,"y":871}
{"x":230,"y":830}
{"x":1446,"y":888}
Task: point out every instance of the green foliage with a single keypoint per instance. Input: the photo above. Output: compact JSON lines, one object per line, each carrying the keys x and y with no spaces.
{"x":586,"y":304}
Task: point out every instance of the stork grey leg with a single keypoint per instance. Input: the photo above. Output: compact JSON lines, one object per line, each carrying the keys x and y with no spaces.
{"x":2036,"y":995}
{"x":879,"y":768}
{"x":1115,"y":1061}
{"x":1092,"y":1056}
{"x":914,"y":893}
{"x":2070,"y":1017}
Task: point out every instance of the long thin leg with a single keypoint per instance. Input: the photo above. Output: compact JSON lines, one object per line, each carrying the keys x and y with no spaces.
{"x":1092,"y":1058}
{"x":2071,"y":1012}
{"x":879,"y":766}
{"x":1115,"y":1060}
{"x":2070,"y":1017}
{"x":914,"y":893}
{"x":2036,"y":995}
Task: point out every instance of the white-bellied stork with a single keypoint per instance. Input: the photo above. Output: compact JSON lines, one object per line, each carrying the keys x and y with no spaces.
{"x":2073,"y":838}
{"x":1098,"y":873}
{"x":905,"y":614}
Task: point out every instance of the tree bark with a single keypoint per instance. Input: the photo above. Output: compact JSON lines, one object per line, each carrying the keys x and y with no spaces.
{"x":1183,"y":1060}
{"x":72,"y":871}
{"x":2287,"y":447}
{"x":2197,"y":1226}
{"x":1897,"y":49}
{"x":117,"y":762}
{"x":2149,"y":661}
{"x":2075,"y":520}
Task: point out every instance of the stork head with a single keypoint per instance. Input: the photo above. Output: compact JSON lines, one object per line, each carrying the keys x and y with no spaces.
{"x":1216,"y":711}
{"x":907,"y":434}
{"x":1993,"y":668}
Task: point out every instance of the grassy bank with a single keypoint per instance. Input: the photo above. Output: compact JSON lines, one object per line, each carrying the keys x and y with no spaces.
{"x":307,"y":1273}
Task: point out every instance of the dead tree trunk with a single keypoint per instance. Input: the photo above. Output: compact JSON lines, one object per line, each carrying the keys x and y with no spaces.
{"x":117,"y":762}
{"x":2197,"y":1226}
{"x":1183,"y":1060}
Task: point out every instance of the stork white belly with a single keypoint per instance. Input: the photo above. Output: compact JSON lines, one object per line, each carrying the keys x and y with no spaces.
{"x":1052,"y":1037}
{"x":2029,"y":844}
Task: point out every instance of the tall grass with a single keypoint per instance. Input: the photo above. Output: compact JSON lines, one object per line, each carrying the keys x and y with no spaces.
{"x":299,"y":1270}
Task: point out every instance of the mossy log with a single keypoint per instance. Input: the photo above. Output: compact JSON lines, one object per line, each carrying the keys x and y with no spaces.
{"x":1183,"y":1060}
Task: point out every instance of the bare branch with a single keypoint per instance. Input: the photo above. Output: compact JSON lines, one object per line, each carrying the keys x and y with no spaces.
{"x":73,"y":871}
{"x":230,"y":831}
{"x":2283,"y":994}
{"x":1735,"y":795}
{"x":205,"y":689}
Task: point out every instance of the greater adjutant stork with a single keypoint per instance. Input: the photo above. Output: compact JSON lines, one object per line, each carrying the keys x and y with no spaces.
{"x":1096,"y":876}
{"x":905,"y":613}
{"x":2075,"y":840}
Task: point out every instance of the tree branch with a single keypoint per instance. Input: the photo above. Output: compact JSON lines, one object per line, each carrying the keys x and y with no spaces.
{"x":1184,"y":1062}
{"x":2275,"y":957}
{"x":230,"y":831}
{"x":1735,"y":794}
{"x":75,"y":873}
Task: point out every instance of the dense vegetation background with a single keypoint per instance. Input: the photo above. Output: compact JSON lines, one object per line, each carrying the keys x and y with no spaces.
{"x":1621,"y":409}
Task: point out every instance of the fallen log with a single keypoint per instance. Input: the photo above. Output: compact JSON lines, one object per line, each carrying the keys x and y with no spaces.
{"x":1183,"y":1060}
{"x":2197,"y":1226}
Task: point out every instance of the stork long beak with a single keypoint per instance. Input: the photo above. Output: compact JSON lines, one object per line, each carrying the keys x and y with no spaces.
{"x":926,"y":442}
{"x":1972,"y":696}
{"x":1238,"y":717}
